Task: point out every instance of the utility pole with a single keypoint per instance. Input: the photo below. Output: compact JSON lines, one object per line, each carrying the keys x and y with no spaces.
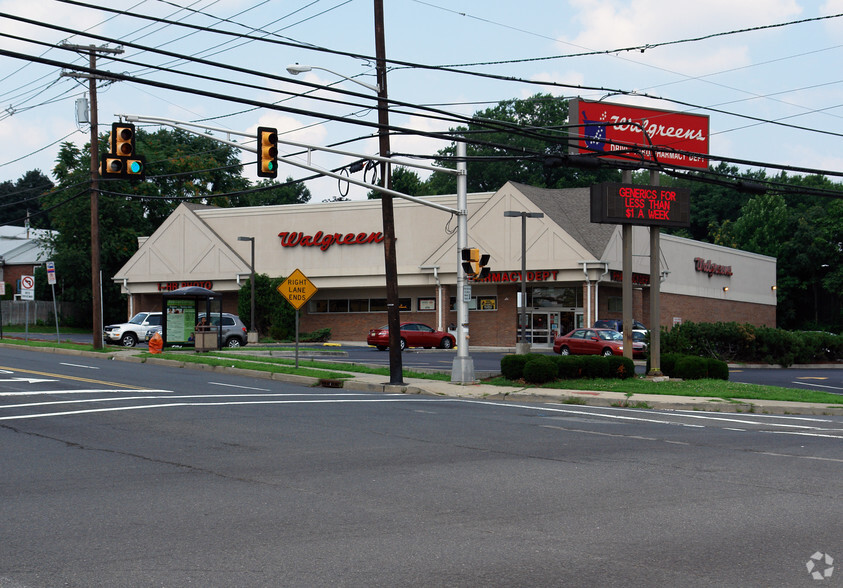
{"x":96,"y":282}
{"x":396,"y":375}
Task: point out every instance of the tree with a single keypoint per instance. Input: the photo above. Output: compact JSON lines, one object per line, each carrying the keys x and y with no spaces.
{"x":404,"y":180}
{"x":271,"y":310}
{"x":19,"y":199}
{"x":498,"y":155}
{"x":179,"y":165}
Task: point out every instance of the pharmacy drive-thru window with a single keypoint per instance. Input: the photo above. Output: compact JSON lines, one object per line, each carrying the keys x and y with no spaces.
{"x":573,"y":275}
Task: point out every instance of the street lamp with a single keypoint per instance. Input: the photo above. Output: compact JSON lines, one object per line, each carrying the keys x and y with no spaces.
{"x":295,"y":69}
{"x":252,"y":338}
{"x":523,"y":346}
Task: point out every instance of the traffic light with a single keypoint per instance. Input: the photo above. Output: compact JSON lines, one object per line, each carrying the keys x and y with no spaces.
{"x":474,"y":263}
{"x":122,"y":139}
{"x":267,"y":152}
{"x":471,"y":261}
{"x":484,"y":270}
{"x":121,"y":160}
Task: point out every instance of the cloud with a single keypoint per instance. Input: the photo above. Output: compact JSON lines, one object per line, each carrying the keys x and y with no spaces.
{"x":612,"y":24}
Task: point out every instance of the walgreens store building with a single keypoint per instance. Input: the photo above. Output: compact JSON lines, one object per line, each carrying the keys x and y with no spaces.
{"x":574,"y":266}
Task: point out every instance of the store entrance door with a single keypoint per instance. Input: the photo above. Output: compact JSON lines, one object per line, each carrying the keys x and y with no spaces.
{"x":542,"y":327}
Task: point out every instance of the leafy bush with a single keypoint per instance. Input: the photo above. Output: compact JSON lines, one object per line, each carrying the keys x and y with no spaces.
{"x":319,"y":335}
{"x":512,"y":366}
{"x":620,"y":367}
{"x":568,"y":367}
{"x":594,"y":366}
{"x":716,"y":369}
{"x":539,"y":369}
{"x":748,"y":343}
{"x":691,"y":367}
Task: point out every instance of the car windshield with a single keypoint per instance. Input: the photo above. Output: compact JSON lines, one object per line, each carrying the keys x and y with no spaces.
{"x":610,"y":335}
{"x":138,"y":318}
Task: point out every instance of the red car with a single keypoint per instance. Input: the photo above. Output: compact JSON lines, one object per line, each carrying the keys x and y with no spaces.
{"x":412,"y":335}
{"x":586,"y":341}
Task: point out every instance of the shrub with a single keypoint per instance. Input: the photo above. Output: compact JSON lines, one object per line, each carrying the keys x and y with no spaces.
{"x":594,"y":366}
{"x":320,"y":335}
{"x":690,"y":367}
{"x":717,"y":369}
{"x":620,"y":367}
{"x":512,"y":366}
{"x":568,"y":367}
{"x":539,"y":369}
{"x":668,"y":364}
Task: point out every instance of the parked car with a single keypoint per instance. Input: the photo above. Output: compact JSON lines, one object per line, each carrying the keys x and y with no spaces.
{"x":412,"y":335}
{"x":639,"y":343}
{"x":585,"y":341}
{"x":139,"y":328}
{"x":234,"y":332}
{"x":617,"y":325}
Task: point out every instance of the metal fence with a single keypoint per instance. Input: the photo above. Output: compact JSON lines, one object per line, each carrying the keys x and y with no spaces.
{"x":14,"y":311}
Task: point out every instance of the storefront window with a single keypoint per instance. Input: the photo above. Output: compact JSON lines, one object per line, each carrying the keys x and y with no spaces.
{"x":344,"y":305}
{"x":426,"y":304}
{"x":478,"y":303}
{"x":562,"y":296}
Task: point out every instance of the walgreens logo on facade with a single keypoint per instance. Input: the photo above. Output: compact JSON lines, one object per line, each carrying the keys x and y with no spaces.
{"x":324,"y":240}
{"x":617,"y":131}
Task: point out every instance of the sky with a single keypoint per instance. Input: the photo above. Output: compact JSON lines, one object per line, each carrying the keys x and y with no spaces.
{"x":788,"y":74}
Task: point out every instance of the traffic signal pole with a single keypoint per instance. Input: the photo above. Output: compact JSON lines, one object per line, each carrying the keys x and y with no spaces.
{"x":96,"y":280}
{"x":462,"y":369}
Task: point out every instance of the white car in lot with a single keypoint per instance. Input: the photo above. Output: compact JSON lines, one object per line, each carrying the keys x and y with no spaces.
{"x":139,"y":328}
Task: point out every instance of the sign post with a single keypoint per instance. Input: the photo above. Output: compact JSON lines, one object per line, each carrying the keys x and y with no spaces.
{"x":27,"y":292}
{"x":297,"y":289}
{"x":51,"y":280}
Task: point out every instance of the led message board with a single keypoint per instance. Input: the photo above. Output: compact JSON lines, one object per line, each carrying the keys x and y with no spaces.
{"x":630,"y":204}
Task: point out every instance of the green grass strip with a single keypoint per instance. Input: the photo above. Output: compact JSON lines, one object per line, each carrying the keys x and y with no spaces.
{"x":245,"y":364}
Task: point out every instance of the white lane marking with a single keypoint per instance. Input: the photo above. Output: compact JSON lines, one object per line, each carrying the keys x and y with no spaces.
{"x":818,"y":385}
{"x":79,"y":365}
{"x":582,"y":412}
{"x":204,"y":404}
{"x":80,"y":391}
{"x":781,"y":417}
{"x":744,"y":421}
{"x":236,"y":386}
{"x":28,"y":380}
{"x":180,"y":397}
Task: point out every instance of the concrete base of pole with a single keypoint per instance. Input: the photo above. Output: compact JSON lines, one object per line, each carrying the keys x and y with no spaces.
{"x":522,"y":348}
{"x":462,"y":371}
{"x":252,"y":337}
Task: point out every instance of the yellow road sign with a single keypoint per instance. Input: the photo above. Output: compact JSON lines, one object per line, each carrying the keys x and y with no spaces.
{"x":297,"y":289}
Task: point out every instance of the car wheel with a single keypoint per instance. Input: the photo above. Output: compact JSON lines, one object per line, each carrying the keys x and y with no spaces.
{"x":403,"y":344}
{"x":382,"y":347}
{"x":128,"y":340}
{"x":233,"y":342}
{"x":608,"y":352}
{"x":446,"y":343}
{"x":564,"y":351}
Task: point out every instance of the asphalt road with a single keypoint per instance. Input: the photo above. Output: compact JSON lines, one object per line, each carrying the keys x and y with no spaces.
{"x":122,"y":474}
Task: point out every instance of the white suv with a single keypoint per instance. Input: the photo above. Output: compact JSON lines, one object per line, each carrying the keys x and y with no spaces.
{"x":137,"y":329}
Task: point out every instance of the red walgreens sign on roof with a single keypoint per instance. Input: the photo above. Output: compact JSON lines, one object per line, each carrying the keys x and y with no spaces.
{"x":615,"y":131}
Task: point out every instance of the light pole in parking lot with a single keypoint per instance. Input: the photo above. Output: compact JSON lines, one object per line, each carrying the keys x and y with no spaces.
{"x":523,"y":346}
{"x":252,"y":328}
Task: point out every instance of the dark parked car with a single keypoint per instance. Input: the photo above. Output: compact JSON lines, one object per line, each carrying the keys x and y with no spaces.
{"x":585,"y":341}
{"x":412,"y":335}
{"x":617,"y":325}
{"x":233,"y":329}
